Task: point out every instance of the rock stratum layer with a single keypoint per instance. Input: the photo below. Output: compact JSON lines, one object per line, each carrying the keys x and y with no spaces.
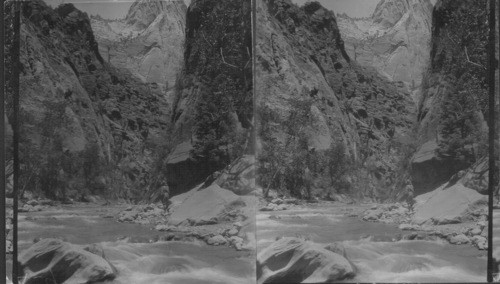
{"x":395,"y":39}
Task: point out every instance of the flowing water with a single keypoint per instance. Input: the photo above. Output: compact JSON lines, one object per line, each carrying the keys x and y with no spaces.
{"x":127,"y":246}
{"x":496,"y":238}
{"x":371,"y":246}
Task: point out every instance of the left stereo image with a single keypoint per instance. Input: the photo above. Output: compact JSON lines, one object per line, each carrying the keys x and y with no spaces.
{"x":133,"y":127}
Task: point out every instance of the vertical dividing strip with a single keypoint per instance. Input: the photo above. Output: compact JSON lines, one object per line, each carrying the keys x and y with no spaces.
{"x":491,"y":123}
{"x":255,"y":122}
{"x":15,"y":128}
{"x":2,"y":143}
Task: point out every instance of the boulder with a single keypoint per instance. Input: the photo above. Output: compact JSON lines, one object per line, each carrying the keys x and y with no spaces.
{"x":482,"y":224}
{"x":162,"y":227}
{"x":480,"y":242}
{"x":9,"y":248}
{"x":372,"y":215}
{"x":475,"y":231}
{"x":291,"y":201}
{"x":54,"y":260}
{"x":281,"y":207}
{"x":240,"y":176}
{"x":295,"y":260}
{"x":277,"y":201}
{"x":30,"y":208}
{"x":32,"y":202}
{"x":476,"y":177}
{"x":446,"y":204}
{"x":269,"y":207}
{"x":459,"y":239}
{"x":203,"y":205}
{"x":217,"y":240}
{"x":128,"y":216}
{"x":236,"y":242}
{"x":337,"y":248}
{"x":232,"y":232}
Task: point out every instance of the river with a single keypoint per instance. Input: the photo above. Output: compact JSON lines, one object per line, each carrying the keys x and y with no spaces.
{"x":128,"y":247}
{"x":496,"y":239}
{"x":371,"y":248}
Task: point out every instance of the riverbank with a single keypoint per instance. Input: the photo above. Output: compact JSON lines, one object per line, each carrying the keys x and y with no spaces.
{"x":451,"y":212}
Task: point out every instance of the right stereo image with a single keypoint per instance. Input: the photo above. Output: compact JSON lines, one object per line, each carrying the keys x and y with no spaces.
{"x":374,"y":141}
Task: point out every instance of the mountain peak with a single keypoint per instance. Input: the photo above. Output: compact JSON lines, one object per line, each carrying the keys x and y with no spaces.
{"x":394,"y":39}
{"x":143,"y":12}
{"x":389,"y":12}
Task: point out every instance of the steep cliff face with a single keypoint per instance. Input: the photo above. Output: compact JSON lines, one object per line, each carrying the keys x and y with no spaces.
{"x":451,"y":122}
{"x":213,"y":110}
{"x":395,"y":39}
{"x":148,"y":41}
{"x":321,"y":110}
{"x":85,"y":125}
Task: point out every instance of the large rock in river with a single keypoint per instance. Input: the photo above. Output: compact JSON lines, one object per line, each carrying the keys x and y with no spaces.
{"x":292,"y":260}
{"x":207,"y":205}
{"x":52,"y":260}
{"x":447,"y":204}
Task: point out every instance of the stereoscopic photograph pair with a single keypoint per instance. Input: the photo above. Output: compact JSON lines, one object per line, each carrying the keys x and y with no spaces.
{"x":250,"y":141}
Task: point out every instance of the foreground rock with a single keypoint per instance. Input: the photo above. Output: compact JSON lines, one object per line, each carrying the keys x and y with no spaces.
{"x":52,"y":260}
{"x":294,"y":260}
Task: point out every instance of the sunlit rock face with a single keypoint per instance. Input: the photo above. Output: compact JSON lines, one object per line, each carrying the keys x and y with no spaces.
{"x":302,"y":67}
{"x":74,"y":104}
{"x":395,"y":39}
{"x":148,"y":41}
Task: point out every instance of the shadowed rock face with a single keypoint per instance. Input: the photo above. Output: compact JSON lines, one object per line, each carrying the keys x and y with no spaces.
{"x":450,"y":123}
{"x":301,"y":57}
{"x":395,"y":39}
{"x":212,"y":109}
{"x":148,"y":41}
{"x":72,"y":101}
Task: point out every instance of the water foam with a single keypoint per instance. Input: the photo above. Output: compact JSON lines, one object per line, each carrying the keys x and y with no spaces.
{"x":200,"y":275}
